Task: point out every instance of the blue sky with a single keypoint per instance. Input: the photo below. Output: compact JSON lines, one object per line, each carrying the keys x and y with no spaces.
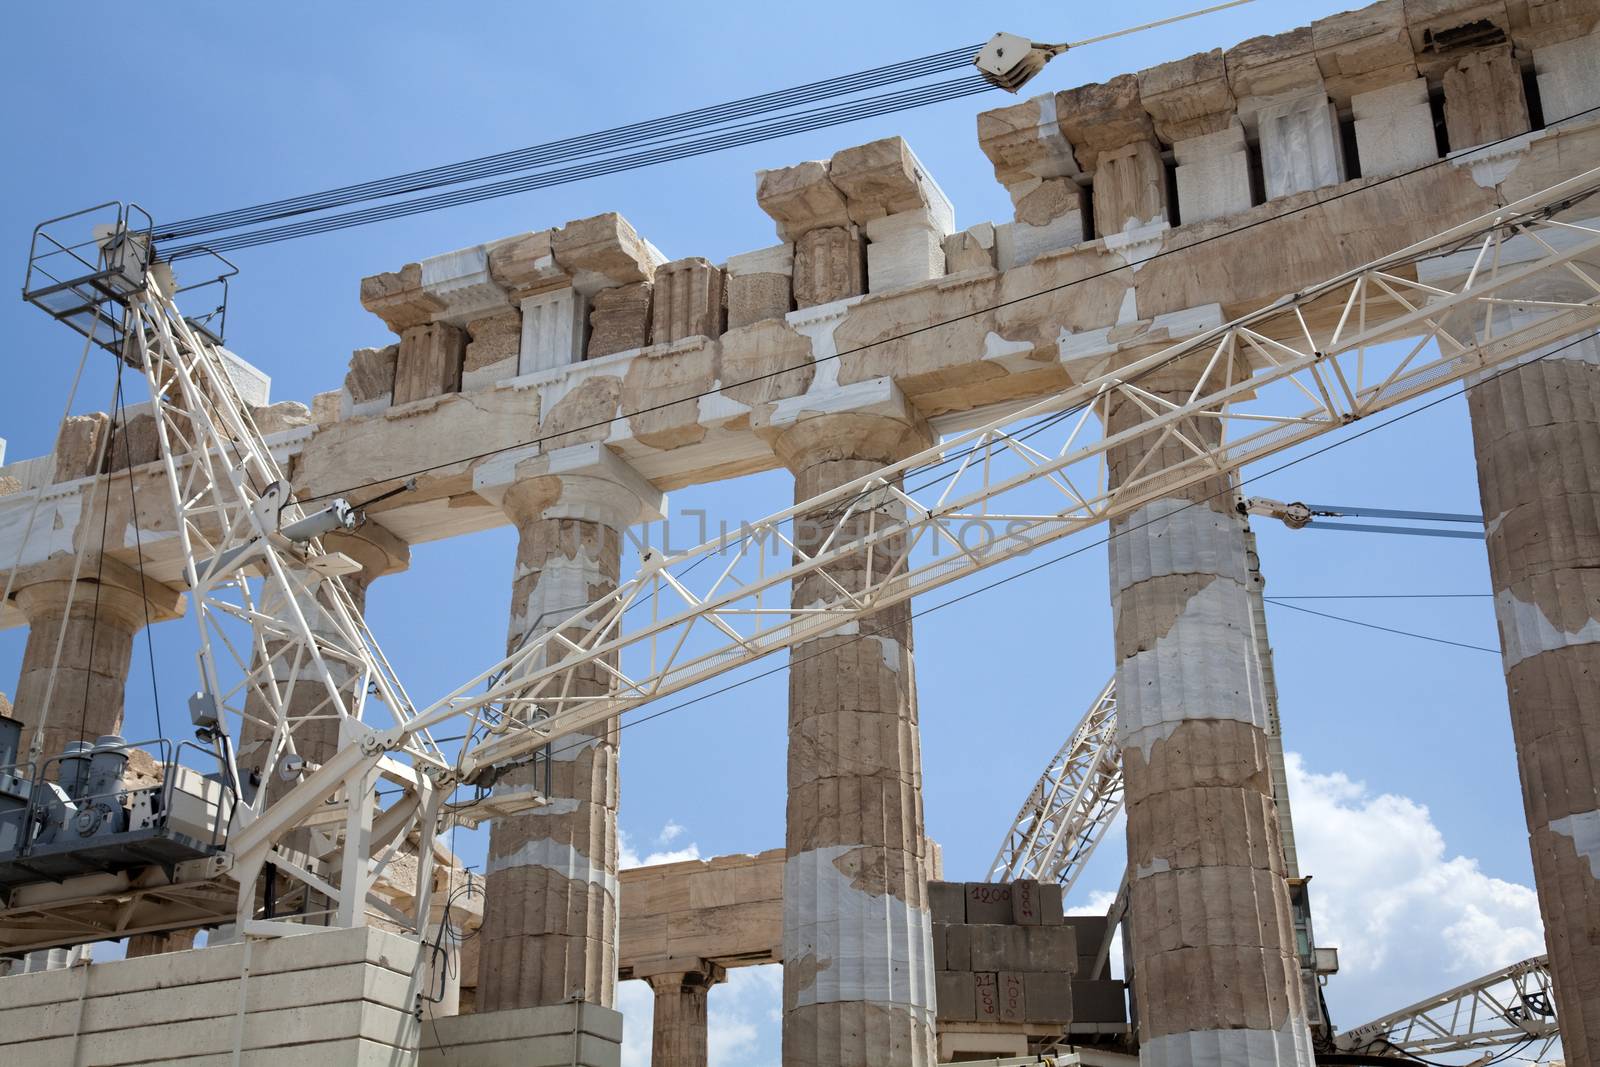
{"x":1412,"y":822}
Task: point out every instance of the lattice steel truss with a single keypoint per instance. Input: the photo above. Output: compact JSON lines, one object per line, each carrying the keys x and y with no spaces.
{"x":271,"y":618}
{"x":275,"y":622}
{"x":1503,"y":285}
{"x":1072,"y":805}
{"x":1513,"y":1007}
{"x":1335,"y":344}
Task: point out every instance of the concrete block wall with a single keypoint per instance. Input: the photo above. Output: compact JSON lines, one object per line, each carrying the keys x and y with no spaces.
{"x":559,"y":1035}
{"x":330,"y":998}
{"x":1006,"y":955}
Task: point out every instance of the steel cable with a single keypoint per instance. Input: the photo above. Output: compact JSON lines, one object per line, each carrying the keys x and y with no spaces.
{"x":820,"y":118}
{"x":570,"y":148}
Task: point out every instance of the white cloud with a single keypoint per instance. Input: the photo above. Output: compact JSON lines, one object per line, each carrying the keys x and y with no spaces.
{"x":636,"y":1002}
{"x":628,"y":856}
{"x":746,"y":1018}
{"x":670,"y":833}
{"x":1408,"y":919}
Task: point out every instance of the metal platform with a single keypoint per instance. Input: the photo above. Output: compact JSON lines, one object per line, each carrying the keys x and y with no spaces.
{"x":84,"y":267}
{"x":160,"y":846}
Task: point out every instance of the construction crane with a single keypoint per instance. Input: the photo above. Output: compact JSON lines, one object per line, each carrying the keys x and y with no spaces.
{"x":1355,"y":345}
{"x":1508,"y":1011}
{"x":1072,"y":805}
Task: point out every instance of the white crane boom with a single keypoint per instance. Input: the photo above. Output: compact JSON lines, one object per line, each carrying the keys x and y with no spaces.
{"x":1513,"y":1006}
{"x":1347,"y":367}
{"x":1502,"y":286}
{"x":1072,"y":805}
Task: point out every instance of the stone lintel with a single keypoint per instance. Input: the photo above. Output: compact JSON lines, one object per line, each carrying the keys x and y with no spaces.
{"x":1092,"y":353}
{"x":603,"y":252}
{"x":801,"y":198}
{"x":1189,"y":97}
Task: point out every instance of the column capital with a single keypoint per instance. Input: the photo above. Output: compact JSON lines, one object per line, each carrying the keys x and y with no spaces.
{"x":675,"y":973}
{"x":870,"y":420}
{"x":377,"y":550}
{"x":588,"y":482}
{"x":123,"y":593}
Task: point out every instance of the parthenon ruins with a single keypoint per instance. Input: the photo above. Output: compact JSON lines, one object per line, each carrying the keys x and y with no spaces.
{"x":1182,"y":236}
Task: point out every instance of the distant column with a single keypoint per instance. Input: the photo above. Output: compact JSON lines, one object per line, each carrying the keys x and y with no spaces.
{"x":679,"y":1031}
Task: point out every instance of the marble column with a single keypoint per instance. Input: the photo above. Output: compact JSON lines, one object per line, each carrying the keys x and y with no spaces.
{"x":858,"y":964}
{"x":1536,"y":431}
{"x":101,"y":617}
{"x":679,"y":1031}
{"x":550,"y":926}
{"x":1212,"y":948}
{"x":313,"y":726}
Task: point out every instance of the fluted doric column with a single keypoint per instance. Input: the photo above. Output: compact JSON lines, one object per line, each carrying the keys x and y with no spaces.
{"x":858,"y":962}
{"x":550,"y":926}
{"x":1212,"y":956}
{"x":94,"y":624}
{"x":678,"y":1036}
{"x":1536,"y":431}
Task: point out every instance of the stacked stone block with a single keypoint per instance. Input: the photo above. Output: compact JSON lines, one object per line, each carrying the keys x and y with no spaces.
{"x":869,"y":219}
{"x":1006,"y":955}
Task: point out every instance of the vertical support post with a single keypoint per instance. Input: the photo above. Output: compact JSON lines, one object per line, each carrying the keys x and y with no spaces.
{"x":1203,"y":838}
{"x":857,"y":935}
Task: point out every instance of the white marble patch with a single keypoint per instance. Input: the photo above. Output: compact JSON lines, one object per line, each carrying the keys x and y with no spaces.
{"x":1526,"y":631}
{"x":868,"y":947}
{"x":1289,"y":1047}
{"x":1200,"y":669}
{"x":1176,"y":537}
{"x":1584,"y":829}
{"x":559,"y":857}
